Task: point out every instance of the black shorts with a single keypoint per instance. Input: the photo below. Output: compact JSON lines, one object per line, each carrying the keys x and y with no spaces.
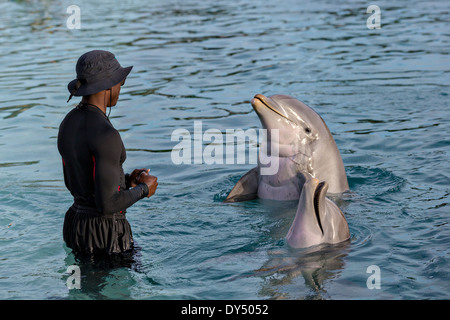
{"x":87,"y":231}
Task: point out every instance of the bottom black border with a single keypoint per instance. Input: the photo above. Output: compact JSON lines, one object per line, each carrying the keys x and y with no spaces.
{"x":221,"y":309}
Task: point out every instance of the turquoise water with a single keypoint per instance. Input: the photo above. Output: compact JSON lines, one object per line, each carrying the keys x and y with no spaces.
{"x":382,"y":92}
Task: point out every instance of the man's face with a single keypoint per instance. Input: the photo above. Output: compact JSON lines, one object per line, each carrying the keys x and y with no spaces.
{"x":115,"y":94}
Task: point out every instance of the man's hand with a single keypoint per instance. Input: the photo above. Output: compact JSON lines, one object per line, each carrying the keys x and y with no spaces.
{"x":150,"y":181}
{"x":134,"y":176}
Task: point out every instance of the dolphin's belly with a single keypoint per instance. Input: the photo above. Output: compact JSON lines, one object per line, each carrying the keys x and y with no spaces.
{"x":287,"y":191}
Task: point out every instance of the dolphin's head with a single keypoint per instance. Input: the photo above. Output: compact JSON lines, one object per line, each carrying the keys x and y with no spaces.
{"x":299,"y":125}
{"x":307,"y":228}
{"x":318,"y":220}
{"x":303,"y":137}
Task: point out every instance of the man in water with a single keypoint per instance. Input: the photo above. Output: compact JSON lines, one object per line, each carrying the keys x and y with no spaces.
{"x":92,"y":154}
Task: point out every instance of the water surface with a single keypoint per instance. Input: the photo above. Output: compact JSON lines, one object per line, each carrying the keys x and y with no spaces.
{"x":383,"y":94}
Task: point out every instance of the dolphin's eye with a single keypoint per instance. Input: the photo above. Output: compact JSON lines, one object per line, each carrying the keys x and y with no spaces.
{"x":308,"y":130}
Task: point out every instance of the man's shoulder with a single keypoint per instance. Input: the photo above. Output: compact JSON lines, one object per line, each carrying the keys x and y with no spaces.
{"x":103,"y":130}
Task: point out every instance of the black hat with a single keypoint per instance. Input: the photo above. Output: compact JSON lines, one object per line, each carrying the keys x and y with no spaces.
{"x":97,"y":70}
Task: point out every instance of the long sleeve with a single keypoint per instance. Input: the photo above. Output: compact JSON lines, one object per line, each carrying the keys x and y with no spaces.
{"x":111,"y":194}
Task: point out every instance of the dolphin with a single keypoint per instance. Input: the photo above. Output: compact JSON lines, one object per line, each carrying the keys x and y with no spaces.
{"x":305,"y":146}
{"x":317,"y":220}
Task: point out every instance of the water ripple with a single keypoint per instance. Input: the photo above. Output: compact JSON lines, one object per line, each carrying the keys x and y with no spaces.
{"x":383,"y":93}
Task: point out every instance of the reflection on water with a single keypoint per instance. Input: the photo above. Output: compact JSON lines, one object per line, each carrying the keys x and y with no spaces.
{"x":315,"y":266}
{"x":96,"y":271}
{"x":383,"y":93}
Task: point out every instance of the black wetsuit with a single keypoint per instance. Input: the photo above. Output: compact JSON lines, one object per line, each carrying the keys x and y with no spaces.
{"x":92,"y":154}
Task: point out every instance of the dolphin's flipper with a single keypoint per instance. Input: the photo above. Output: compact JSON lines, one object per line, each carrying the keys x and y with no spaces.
{"x":246,"y":188}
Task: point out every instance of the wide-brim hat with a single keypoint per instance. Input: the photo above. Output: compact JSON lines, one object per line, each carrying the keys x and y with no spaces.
{"x":97,"y":70}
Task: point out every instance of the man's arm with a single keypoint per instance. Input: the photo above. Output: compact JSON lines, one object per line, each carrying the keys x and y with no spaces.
{"x":108,"y":196}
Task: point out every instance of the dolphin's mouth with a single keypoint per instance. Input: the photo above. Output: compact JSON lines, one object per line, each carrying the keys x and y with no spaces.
{"x":267,"y":102}
{"x":317,"y":196}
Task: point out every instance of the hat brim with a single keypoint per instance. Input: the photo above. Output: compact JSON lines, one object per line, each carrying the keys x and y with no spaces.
{"x":87,"y":89}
